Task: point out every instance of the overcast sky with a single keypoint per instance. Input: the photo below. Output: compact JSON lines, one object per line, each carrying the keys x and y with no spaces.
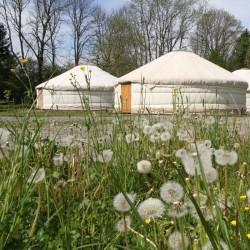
{"x":239,"y":8}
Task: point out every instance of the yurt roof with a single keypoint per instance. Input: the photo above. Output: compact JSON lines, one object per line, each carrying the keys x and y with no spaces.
{"x":76,"y":78}
{"x":244,"y":74}
{"x":182,"y":68}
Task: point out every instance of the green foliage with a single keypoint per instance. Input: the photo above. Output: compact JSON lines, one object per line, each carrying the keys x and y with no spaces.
{"x":215,"y":57}
{"x":240,"y":55}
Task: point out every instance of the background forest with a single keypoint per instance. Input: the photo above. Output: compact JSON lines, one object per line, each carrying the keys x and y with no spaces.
{"x":55,"y":35}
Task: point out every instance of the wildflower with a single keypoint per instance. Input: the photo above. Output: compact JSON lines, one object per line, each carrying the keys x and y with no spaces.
{"x":181,"y":153}
{"x":175,"y":241}
{"x":178,"y":210}
{"x":144,"y":166}
{"x":168,"y":126}
{"x":147,"y":129}
{"x":248,"y":236}
{"x":123,"y":224}
{"x":209,"y":120}
{"x":37,"y":176}
{"x":4,"y":136}
{"x":246,"y":208}
{"x":155,"y":136}
{"x":236,"y":145}
{"x":82,"y":68}
{"x":233,"y":223}
{"x":66,"y":141}
{"x":105,"y":156}
{"x":211,"y":175}
{"x":165,"y":136}
{"x":243,"y":197}
{"x":209,"y":246}
{"x":223,"y":157}
{"x":248,"y":196}
{"x":171,"y":191}
{"x":24,"y":60}
{"x":58,"y":159}
{"x":151,"y":208}
{"x":147,"y":221}
{"x":121,"y":204}
{"x":132,"y":137}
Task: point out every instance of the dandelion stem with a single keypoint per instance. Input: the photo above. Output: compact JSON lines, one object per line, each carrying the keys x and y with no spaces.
{"x":142,"y":236}
{"x":33,"y":227}
{"x":226,"y":190}
{"x":125,"y":231}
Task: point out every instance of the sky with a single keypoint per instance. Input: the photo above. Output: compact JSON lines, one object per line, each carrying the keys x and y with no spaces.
{"x":239,"y":8}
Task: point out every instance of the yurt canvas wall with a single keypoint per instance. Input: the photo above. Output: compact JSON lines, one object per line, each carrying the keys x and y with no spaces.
{"x":70,"y":90}
{"x":245,"y":75}
{"x":180,"y":78}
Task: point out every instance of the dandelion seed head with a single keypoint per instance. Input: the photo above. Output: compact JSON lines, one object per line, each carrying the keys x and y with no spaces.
{"x":151,"y":208}
{"x":165,"y":136}
{"x":144,"y":166}
{"x":175,"y":241}
{"x":209,"y":246}
{"x":105,"y":156}
{"x":58,"y":159}
{"x":37,"y":176}
{"x":248,"y":196}
{"x":4,"y":136}
{"x":171,"y":191}
{"x":181,"y":153}
{"x":210,"y":120}
{"x":211,"y":174}
{"x":155,"y":136}
{"x":120,"y":203}
{"x":123,"y":224}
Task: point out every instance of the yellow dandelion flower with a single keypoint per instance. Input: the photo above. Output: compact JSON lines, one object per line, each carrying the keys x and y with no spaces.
{"x":147,"y":221}
{"x":248,"y":236}
{"x":243,"y":197}
{"x":82,"y":68}
{"x":246,"y":208}
{"x":233,"y":223}
{"x":24,"y":60}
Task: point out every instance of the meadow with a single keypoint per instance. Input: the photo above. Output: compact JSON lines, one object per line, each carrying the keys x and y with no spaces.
{"x":127,"y":182}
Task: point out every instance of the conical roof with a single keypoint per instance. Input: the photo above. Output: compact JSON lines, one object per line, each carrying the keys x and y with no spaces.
{"x":182,"y":68}
{"x":244,"y":74}
{"x":76,"y":77}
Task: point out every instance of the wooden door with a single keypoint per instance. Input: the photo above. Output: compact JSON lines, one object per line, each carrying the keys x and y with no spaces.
{"x":40,"y":98}
{"x":126,"y":97}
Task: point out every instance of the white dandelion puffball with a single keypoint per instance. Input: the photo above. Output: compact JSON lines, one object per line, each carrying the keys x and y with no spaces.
{"x":123,"y":224}
{"x":209,"y":120}
{"x":165,"y":136}
{"x":155,"y":136}
{"x":4,"y":136}
{"x":175,"y":241}
{"x":180,"y":153}
{"x":144,"y":166}
{"x":37,"y":176}
{"x":209,"y":246}
{"x":248,"y":196}
{"x":58,"y":159}
{"x":147,"y":130}
{"x":211,"y":174}
{"x":171,"y":191}
{"x":105,"y":156}
{"x":120,"y":203}
{"x":223,"y":157}
{"x":151,"y":208}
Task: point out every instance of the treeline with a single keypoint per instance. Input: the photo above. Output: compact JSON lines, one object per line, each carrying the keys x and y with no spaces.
{"x":52,"y":32}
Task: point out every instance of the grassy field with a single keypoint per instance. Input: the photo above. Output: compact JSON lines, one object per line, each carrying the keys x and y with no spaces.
{"x":179,"y":182}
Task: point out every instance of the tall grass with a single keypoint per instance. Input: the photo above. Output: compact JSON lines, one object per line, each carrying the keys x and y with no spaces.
{"x":87,"y":165}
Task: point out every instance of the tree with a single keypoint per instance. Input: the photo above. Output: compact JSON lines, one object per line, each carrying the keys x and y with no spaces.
{"x":7,"y":83}
{"x":116,"y":44}
{"x":240,"y":55}
{"x":217,"y":30}
{"x":80,"y":13}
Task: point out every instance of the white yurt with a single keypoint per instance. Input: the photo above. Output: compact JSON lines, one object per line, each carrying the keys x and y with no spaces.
{"x":74,"y":88}
{"x":245,"y":75}
{"x":181,"y":79}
